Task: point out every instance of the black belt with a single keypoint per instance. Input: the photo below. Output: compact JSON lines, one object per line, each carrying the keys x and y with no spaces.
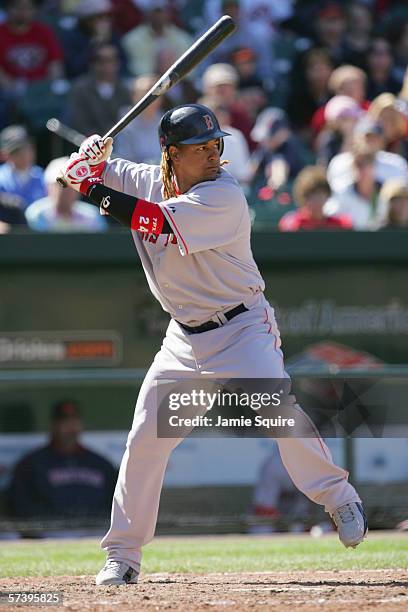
{"x":208,"y":325}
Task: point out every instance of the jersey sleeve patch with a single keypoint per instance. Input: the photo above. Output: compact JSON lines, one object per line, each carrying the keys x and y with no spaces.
{"x":147,"y":218}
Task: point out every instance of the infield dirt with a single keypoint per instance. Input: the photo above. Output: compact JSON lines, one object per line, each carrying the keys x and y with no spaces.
{"x":306,"y":590}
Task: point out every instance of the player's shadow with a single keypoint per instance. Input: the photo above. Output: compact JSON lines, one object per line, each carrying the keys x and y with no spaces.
{"x":318,"y":583}
{"x":393,"y":583}
{"x":164,"y":581}
{"x":308,"y":583}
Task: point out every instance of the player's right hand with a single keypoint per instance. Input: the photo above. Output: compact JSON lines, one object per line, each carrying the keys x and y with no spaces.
{"x":95,"y":150}
{"x":78,"y":175}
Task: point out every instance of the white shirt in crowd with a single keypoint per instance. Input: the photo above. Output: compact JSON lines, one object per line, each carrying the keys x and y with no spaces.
{"x":42,"y":217}
{"x":237,"y":153}
{"x":257,"y":26}
{"x":139,"y":142}
{"x":349,"y":202}
{"x":387,"y":166}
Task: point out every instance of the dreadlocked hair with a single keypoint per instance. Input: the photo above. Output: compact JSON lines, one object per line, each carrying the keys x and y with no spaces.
{"x":167,"y":175}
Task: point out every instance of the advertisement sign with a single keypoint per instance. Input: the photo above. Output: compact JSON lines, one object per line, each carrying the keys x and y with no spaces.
{"x":60,"y":349}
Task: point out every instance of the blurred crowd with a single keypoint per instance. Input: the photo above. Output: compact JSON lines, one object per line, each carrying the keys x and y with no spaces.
{"x":314,"y":94}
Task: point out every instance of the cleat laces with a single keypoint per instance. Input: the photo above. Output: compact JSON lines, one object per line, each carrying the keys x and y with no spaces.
{"x":115,"y":567}
{"x":346,"y":514}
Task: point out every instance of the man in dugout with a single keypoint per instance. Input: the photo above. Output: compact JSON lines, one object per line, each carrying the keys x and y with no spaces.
{"x":62,"y":480}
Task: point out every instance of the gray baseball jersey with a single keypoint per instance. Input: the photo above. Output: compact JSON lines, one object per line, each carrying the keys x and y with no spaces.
{"x":206,"y":266}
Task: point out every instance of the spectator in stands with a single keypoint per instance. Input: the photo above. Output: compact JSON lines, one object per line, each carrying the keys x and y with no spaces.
{"x":244,"y":60}
{"x":330,"y":28}
{"x":175,"y":10}
{"x":252,"y":100}
{"x":348,"y":80}
{"x":126,"y":15}
{"x":341,"y":114}
{"x":359,"y":201}
{"x":252,"y":89}
{"x":60,"y":210}
{"x":183,"y":92}
{"x":143,"y":43}
{"x":393,"y":205}
{"x":19,"y":176}
{"x":220,"y":82}
{"x":236,"y":150}
{"x":264,"y":14}
{"x":10,"y":213}
{"x":311,"y":192}
{"x":398,"y":38}
{"x":256,"y":29}
{"x":386,"y":110}
{"x":387,"y":165}
{"x":94,"y":26}
{"x":63,"y":479}
{"x":379,"y":69}
{"x":345,"y":80}
{"x":96,"y":98}
{"x":138,"y":141}
{"x":278,"y":153}
{"x":358,"y":32}
{"x":310,"y":91}
{"x":29,"y":50}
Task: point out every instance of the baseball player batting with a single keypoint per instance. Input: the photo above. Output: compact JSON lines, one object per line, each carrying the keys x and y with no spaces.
{"x":190,"y":224}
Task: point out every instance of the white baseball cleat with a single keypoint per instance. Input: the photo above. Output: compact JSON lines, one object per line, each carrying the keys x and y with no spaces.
{"x":351,"y":523}
{"x":117,"y":572}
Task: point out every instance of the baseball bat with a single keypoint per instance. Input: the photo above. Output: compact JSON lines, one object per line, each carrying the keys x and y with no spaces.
{"x":73,"y":136}
{"x":181,"y":67}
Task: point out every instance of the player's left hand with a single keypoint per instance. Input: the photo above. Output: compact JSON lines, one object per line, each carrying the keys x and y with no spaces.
{"x":96,"y":150}
{"x":77,"y":174}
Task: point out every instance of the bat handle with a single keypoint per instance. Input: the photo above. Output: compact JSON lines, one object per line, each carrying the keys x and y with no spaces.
{"x":61,"y":182}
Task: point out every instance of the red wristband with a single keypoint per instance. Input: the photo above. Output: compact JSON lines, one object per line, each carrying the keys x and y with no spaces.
{"x":147,"y":217}
{"x":87,"y":183}
{"x":97,"y":169}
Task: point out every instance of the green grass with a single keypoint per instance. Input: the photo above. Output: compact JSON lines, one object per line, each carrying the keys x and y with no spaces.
{"x":209,"y":554}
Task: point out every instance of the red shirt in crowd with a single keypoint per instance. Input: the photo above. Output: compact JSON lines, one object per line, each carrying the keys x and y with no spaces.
{"x":301,"y":220}
{"x":28,"y":55}
{"x":240,"y":120}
